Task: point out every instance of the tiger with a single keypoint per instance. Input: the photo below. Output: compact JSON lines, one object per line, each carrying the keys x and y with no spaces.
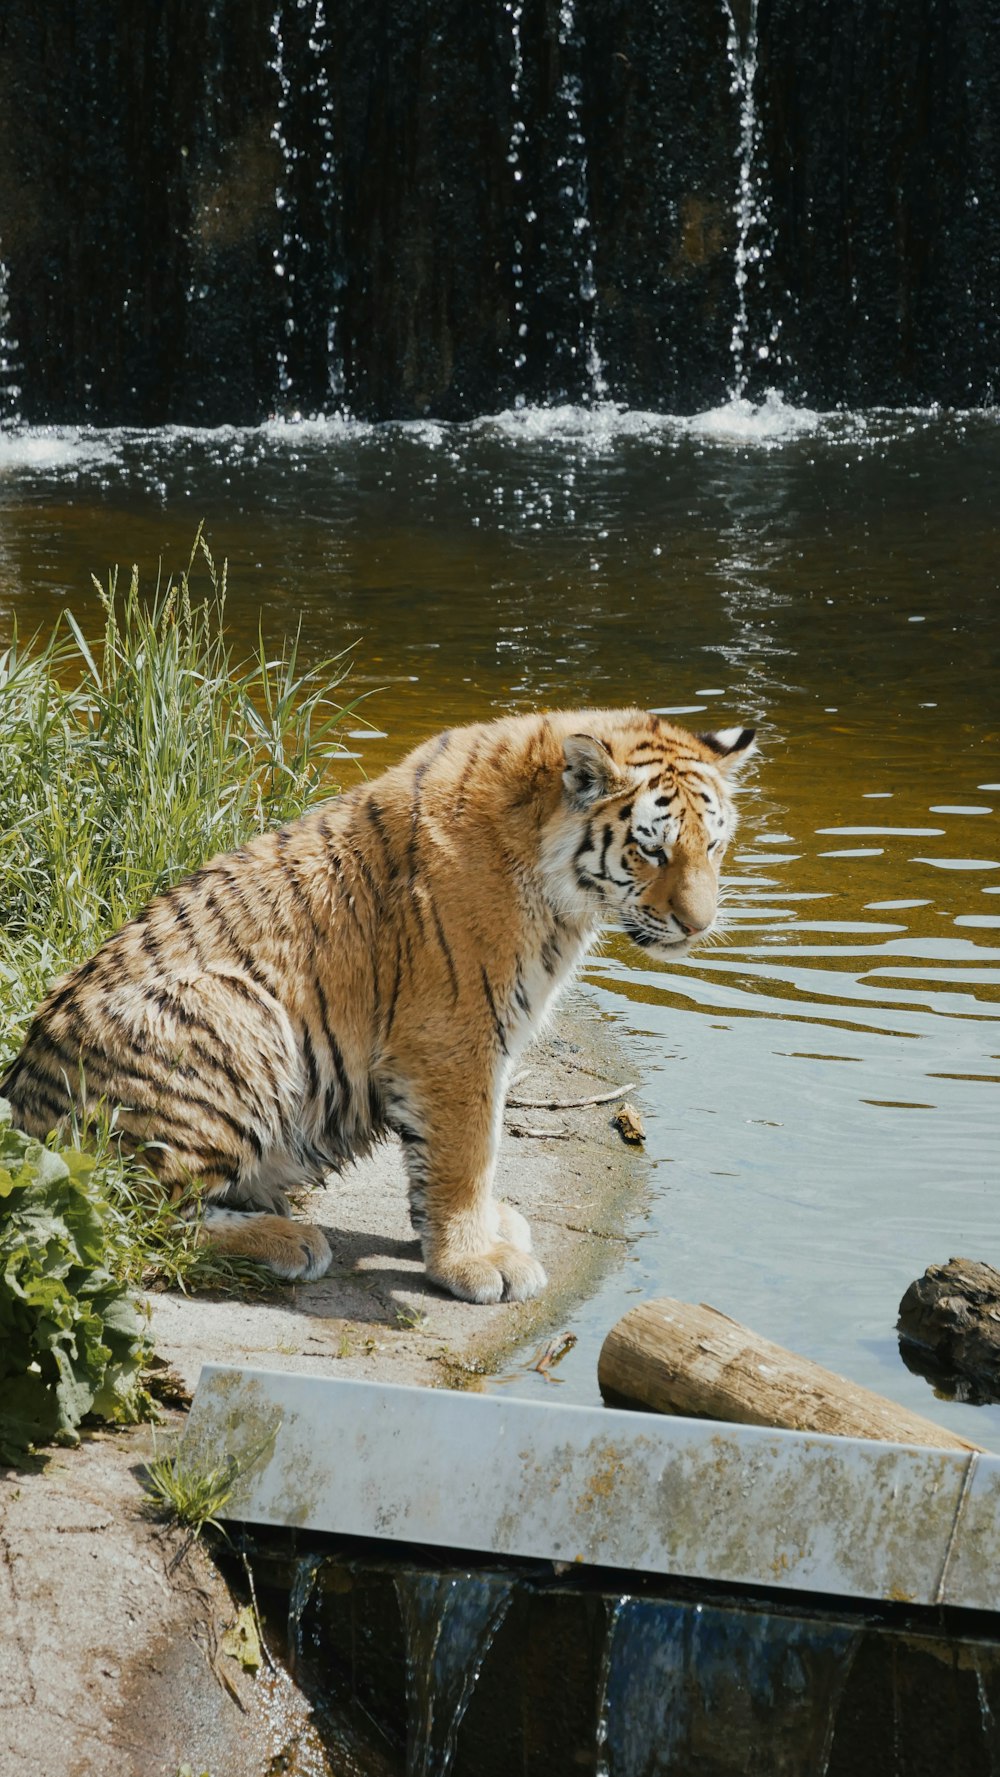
{"x":378,"y":966}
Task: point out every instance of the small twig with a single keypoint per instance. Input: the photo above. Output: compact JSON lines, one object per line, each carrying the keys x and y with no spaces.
{"x":265,"y":1650}
{"x":568,"y":1104}
{"x":520,"y":1129}
{"x":552,"y":1352}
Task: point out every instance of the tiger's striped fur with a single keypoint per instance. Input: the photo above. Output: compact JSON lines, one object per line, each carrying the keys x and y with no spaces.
{"x":379,"y":965}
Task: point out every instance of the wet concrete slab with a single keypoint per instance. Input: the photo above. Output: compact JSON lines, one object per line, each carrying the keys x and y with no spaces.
{"x":741,"y":1505}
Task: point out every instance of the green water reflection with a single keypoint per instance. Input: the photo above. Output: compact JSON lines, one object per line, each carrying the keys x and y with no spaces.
{"x":820,"y":1091}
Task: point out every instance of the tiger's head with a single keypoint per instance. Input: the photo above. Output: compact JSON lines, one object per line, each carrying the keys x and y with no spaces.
{"x":646,"y":815}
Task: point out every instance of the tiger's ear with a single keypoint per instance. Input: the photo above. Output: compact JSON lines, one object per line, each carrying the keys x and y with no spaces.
{"x":732,"y":747}
{"x":591,"y":773}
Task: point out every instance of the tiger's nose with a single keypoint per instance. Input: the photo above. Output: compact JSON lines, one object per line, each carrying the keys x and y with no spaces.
{"x":690,"y":931}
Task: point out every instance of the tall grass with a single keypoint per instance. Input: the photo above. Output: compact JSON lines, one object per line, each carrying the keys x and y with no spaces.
{"x":125,"y":761}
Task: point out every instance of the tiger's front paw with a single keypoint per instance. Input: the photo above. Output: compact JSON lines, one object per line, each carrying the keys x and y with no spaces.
{"x":504,"y":1274}
{"x":512,"y":1227}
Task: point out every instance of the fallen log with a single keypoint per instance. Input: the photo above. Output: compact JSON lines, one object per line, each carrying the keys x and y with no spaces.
{"x":949,"y":1328}
{"x":679,"y":1358}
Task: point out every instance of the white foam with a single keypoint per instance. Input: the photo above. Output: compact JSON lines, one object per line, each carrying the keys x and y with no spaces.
{"x":598,"y":427}
{"x":768,"y":422}
{"x":31,"y":447}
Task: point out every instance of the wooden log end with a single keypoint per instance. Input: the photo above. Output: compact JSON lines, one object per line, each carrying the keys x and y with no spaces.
{"x":677,"y":1357}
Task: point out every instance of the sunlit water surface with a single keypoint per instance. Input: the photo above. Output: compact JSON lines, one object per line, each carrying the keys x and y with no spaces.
{"x":820,"y":1089}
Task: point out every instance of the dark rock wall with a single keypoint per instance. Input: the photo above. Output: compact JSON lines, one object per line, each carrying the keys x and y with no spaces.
{"x":472,"y":203}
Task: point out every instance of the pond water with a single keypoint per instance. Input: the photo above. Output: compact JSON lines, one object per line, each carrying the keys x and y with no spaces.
{"x":820,"y":1089}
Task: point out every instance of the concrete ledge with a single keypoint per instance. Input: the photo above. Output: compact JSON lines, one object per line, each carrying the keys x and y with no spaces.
{"x":692,"y":1498}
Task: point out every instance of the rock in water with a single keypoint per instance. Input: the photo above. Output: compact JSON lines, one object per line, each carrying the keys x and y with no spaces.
{"x":949,"y":1328}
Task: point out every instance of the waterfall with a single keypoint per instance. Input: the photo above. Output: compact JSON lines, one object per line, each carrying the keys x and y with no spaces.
{"x":676,"y":1675}
{"x":574,"y":191}
{"x":450,"y":1622}
{"x":433,"y":211}
{"x":283,"y":252}
{"x":9,"y":389}
{"x":322,"y":113}
{"x":603,"y":1679}
{"x":515,"y":157}
{"x":307,"y":1571}
{"x":307,"y":256}
{"x":751,"y":205}
{"x":987,"y":1719}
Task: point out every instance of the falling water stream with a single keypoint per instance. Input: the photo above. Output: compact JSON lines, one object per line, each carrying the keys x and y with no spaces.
{"x":9,"y":391}
{"x":574,"y":195}
{"x":672,"y":1675}
{"x":750,"y":206}
{"x":450,"y":1622}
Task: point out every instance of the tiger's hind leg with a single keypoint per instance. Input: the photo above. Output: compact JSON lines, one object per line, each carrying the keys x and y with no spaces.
{"x":292,"y":1250}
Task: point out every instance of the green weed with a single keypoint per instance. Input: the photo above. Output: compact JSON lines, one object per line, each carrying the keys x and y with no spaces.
{"x":193,"y":1493}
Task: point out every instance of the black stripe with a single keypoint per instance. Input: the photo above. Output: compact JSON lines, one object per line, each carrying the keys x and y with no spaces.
{"x":446,"y":949}
{"x":163,"y":1113}
{"x":394,"y":996}
{"x":241,"y":1083}
{"x":292,"y":877}
{"x":376,"y":1105}
{"x":244,"y":991}
{"x":441,"y":745}
{"x":345,"y":895}
{"x":308,"y":1052}
{"x":463,"y":782}
{"x":205,"y":1160}
{"x":373,"y":815}
{"x":49,"y":1102}
{"x":359,"y":862}
{"x":586,"y":843}
{"x":183,"y":919}
{"x":262,"y":887}
{"x":55,"y":1082}
{"x":321,"y":939}
{"x":332,"y":1044}
{"x":238,"y":950}
{"x":551,"y":954}
{"x":491,"y":1002}
{"x":16,"y":1067}
{"x":333,"y":1112}
{"x":68,"y":1055}
{"x":61,"y":994}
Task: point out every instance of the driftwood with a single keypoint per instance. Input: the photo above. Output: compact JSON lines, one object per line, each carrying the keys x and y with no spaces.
{"x":567,"y":1104}
{"x":678,"y":1358}
{"x":949,"y":1328}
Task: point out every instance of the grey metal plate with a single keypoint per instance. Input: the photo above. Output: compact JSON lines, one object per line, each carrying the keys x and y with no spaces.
{"x":612,"y":1488}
